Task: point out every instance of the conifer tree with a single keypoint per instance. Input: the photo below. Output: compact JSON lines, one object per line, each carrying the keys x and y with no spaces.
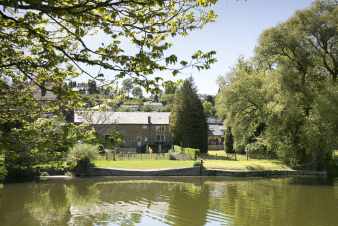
{"x":188,"y":122}
{"x":229,"y":141}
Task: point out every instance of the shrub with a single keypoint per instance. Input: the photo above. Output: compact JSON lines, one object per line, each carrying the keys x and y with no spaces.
{"x":191,"y":153}
{"x":80,"y":157}
{"x":258,"y":150}
{"x":178,"y":156}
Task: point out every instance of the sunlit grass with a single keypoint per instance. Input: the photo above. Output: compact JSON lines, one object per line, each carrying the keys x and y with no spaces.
{"x":245,"y":165}
{"x":143,"y":164}
{"x":222,"y":153}
{"x":209,"y":164}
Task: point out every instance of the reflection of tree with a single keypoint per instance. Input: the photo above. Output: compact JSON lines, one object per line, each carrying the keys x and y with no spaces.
{"x":33,"y":204}
{"x":188,"y":205}
{"x":121,"y":203}
{"x":275,"y":202}
{"x":49,"y":206}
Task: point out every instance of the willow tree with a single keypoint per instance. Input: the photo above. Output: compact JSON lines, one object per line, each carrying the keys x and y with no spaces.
{"x":286,"y":101}
{"x":187,"y":121}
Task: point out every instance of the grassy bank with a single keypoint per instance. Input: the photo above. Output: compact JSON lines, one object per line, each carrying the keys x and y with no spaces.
{"x":245,"y":165}
{"x":143,"y":164}
{"x":209,"y":164}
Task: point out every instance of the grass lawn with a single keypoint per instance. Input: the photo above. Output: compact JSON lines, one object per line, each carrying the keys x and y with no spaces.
{"x":209,"y":164}
{"x":242,"y":163}
{"x":143,"y":164}
{"x":245,"y":165}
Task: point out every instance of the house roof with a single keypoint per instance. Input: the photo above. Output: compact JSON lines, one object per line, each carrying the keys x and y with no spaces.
{"x":110,"y":117}
{"x":216,"y":130}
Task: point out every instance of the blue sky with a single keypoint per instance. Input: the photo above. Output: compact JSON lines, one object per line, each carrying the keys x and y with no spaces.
{"x":234,"y":34}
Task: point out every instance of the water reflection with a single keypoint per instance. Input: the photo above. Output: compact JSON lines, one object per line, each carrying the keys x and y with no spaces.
{"x":170,"y":201}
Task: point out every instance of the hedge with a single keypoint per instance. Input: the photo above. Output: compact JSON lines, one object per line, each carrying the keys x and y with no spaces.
{"x":191,"y":152}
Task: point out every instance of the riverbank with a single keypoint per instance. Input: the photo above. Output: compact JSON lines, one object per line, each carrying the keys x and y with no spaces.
{"x":232,"y":168}
{"x":201,"y":171}
{"x":241,"y":167}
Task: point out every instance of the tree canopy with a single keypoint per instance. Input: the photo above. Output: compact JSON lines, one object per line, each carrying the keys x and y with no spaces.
{"x":45,"y":43}
{"x":285,"y":99}
{"x":49,"y":40}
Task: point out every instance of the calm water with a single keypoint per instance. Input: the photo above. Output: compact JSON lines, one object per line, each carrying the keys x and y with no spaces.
{"x":170,"y":201}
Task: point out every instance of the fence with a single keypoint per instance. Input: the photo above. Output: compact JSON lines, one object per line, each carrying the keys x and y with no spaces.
{"x":135,"y":156}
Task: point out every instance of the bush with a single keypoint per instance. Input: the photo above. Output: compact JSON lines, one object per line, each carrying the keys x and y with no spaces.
{"x":258,"y":150}
{"x":178,"y":156}
{"x":80,"y":157}
{"x":191,"y":153}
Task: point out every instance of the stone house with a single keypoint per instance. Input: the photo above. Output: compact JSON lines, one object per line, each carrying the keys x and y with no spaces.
{"x":144,"y":129}
{"x":139,"y":129}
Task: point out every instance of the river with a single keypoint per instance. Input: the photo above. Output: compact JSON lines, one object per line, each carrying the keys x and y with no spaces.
{"x":171,"y":201}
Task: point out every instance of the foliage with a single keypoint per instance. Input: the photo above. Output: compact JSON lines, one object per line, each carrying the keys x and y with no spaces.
{"x":133,"y":101}
{"x":113,"y":139}
{"x":127,"y":85}
{"x":208,"y":108}
{"x":137,"y":92}
{"x":92,"y":87}
{"x":45,"y":43}
{"x":55,"y":34}
{"x":80,"y":157}
{"x":259,"y":150}
{"x":229,"y":141}
{"x":190,"y":152}
{"x":147,"y":108}
{"x":42,"y":141}
{"x":286,"y":98}
{"x":170,"y":87}
{"x":187,"y":120}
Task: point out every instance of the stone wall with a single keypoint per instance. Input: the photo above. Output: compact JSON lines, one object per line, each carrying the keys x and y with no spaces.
{"x":197,"y":171}
{"x":191,"y":171}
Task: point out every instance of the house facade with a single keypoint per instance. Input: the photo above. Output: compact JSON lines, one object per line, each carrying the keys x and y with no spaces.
{"x":140,"y":130}
{"x":144,"y":131}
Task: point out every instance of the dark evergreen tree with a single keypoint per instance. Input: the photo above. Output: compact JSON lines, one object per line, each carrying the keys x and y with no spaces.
{"x":229,"y":141}
{"x":188,"y":122}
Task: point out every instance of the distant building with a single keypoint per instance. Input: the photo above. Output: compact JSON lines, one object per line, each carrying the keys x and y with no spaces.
{"x":215,"y":134}
{"x":139,"y":129}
